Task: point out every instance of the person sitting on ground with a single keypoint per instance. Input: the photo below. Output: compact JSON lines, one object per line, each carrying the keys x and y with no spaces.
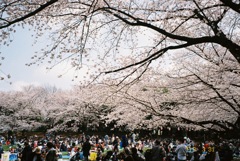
{"x":108,"y":156}
{"x":51,"y":154}
{"x":127,"y":155}
{"x":37,"y":156}
{"x":135,"y":155}
{"x":76,"y":156}
{"x":100,"y":146}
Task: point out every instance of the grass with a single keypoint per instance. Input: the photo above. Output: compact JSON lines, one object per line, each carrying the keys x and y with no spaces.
{"x":64,"y":153}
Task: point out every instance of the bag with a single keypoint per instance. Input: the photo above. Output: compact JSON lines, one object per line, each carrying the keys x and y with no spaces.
{"x":217,"y":158}
{"x":202,"y":157}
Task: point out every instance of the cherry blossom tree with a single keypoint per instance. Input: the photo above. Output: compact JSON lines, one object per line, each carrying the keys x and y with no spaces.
{"x":127,"y":40}
{"x":19,"y":111}
{"x":102,"y":34}
{"x":69,"y":112}
{"x":201,"y":92}
{"x":180,"y":99}
{"x":210,"y":81}
{"x":50,"y":109}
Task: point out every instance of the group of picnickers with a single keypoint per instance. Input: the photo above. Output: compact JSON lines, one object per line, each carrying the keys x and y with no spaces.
{"x":126,"y":148}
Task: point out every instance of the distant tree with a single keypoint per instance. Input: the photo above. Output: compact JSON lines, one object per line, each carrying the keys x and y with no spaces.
{"x":50,"y":109}
{"x":19,"y":110}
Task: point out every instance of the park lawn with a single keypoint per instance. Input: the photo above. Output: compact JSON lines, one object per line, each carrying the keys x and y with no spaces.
{"x":64,"y":153}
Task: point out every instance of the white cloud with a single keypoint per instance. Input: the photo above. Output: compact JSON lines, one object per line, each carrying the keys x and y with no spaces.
{"x":51,"y":77}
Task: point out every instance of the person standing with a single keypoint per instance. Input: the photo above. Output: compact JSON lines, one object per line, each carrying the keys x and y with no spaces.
{"x":86,"y":147}
{"x":181,"y":150}
{"x":158,"y":152}
{"x":127,"y":155}
{"x":76,"y":156}
{"x":26,"y":154}
{"x":124,"y":141}
{"x":135,"y":155}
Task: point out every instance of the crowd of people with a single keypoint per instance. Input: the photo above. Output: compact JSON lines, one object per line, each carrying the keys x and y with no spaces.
{"x":124,"y":148}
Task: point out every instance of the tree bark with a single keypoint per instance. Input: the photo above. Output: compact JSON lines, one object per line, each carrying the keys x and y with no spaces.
{"x":233,"y":48}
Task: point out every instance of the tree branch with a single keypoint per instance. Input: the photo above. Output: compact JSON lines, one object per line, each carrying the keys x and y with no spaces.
{"x":232,"y":5}
{"x":42,"y":7}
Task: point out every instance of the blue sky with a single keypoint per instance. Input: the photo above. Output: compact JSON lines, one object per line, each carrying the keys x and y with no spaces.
{"x":20,"y":52}
{"x":17,"y":54}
